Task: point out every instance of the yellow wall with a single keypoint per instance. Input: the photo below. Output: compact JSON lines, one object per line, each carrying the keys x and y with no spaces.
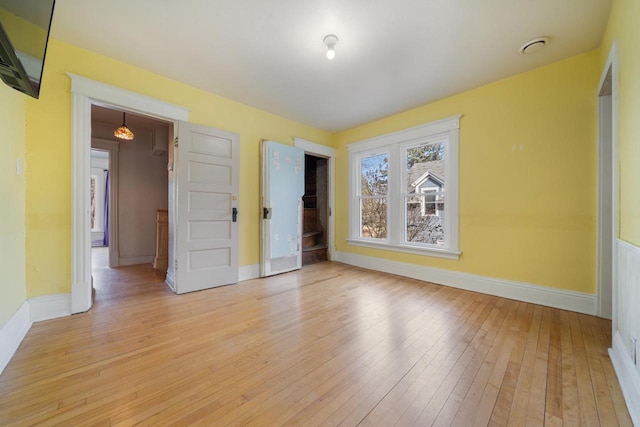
{"x":32,"y":38}
{"x":623,"y":26}
{"x":525,"y":215}
{"x":48,"y":218}
{"x":12,"y":202}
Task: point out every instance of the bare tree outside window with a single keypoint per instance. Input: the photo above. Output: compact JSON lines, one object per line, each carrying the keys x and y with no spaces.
{"x":373,"y":196}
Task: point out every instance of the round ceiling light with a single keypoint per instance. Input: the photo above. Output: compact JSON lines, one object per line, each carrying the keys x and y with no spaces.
{"x":534,"y":45}
{"x":330,"y":41}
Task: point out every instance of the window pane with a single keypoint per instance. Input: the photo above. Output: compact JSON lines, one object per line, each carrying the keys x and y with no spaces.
{"x":373,"y":211}
{"x":425,"y":188}
{"x":374,"y":175}
{"x":373,"y":196}
{"x":425,"y":220}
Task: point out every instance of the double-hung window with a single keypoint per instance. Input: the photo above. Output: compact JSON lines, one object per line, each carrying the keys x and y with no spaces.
{"x":404,"y":190}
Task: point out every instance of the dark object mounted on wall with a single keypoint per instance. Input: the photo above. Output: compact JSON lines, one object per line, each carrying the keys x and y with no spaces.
{"x":24,"y":35}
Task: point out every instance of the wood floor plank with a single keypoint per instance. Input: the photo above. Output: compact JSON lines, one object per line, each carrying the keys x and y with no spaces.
{"x":604,"y":401}
{"x":330,"y":345}
{"x":438,"y":387}
{"x":571,"y":414}
{"x":370,"y":396}
{"x":504,"y":402}
{"x":537,"y":394}
{"x":553,"y":398}
{"x":586,"y":396}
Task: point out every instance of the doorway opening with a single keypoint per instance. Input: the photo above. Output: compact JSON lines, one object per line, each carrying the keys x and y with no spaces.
{"x":129,"y":199}
{"x":86,"y":93}
{"x":316,"y":210}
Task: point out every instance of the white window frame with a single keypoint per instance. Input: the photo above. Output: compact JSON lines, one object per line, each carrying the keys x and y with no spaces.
{"x":395,"y":144}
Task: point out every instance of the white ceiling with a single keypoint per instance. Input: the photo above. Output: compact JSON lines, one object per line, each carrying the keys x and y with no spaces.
{"x":392,"y":55}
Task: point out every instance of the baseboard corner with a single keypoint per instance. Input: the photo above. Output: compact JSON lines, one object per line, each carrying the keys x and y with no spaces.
{"x":12,"y":333}
{"x":248,"y":272}
{"x":50,"y":307}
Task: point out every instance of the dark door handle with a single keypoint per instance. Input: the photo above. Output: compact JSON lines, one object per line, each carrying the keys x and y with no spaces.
{"x":234,"y":214}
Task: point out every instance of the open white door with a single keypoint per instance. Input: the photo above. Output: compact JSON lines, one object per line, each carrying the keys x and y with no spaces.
{"x":207,"y":162}
{"x":282,"y":191}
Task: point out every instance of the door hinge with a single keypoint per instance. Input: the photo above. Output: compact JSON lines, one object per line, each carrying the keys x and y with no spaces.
{"x":175,"y":142}
{"x":329,"y":211}
{"x":175,"y":265}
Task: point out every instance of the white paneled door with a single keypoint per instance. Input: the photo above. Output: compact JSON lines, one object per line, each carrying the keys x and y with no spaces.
{"x":207,"y":164}
{"x":282,"y":191}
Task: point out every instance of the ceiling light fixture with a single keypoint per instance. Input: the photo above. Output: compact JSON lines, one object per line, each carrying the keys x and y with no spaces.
{"x":534,"y":45}
{"x":123,"y":132}
{"x":330,"y":41}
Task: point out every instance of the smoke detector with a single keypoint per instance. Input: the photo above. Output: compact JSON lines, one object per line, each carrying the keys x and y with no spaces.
{"x":534,"y":45}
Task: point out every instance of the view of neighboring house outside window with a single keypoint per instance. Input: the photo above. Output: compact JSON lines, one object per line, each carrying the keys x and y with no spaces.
{"x":425,"y":194}
{"x":399,"y":185}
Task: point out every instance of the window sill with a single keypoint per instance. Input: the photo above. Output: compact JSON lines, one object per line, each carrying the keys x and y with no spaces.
{"x":396,"y":247}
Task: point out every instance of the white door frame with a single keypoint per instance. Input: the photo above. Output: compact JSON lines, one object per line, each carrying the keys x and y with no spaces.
{"x":329,"y":153}
{"x":608,"y":141}
{"x":84,"y":93}
{"x":113,"y":148}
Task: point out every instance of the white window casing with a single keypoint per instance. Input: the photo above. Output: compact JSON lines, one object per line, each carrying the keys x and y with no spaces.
{"x":395,"y":146}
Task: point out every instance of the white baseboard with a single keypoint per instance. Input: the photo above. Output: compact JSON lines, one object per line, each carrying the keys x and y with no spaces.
{"x":135,"y":260}
{"x":567,"y":300}
{"x":50,"y":307}
{"x":248,"y":272}
{"x":12,"y":334}
{"x":169,"y":280}
{"x":627,"y":377}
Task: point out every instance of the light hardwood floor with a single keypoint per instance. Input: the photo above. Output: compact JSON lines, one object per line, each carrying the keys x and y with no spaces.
{"x":328,"y":345}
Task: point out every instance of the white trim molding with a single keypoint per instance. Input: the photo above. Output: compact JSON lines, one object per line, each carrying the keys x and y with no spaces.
{"x":84,"y":93}
{"x":409,"y":249}
{"x":135,"y":260}
{"x":170,"y":280}
{"x":537,"y":294}
{"x":627,"y":377}
{"x":12,"y":334}
{"x":50,"y":307}
{"x":625,"y":353}
{"x":432,"y":128}
{"x":248,"y":272}
{"x":132,"y":101}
